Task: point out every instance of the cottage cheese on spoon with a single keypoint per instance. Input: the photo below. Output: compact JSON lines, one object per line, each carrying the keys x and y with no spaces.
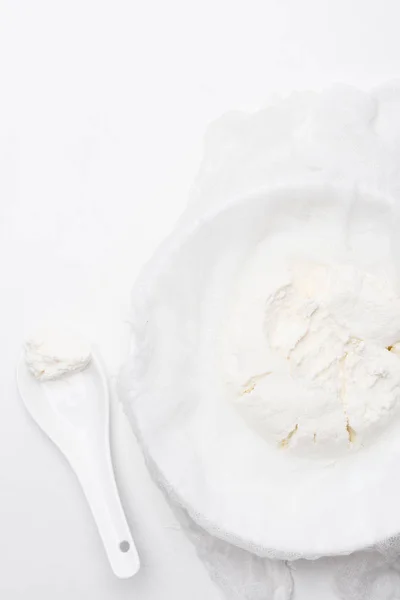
{"x":51,"y":354}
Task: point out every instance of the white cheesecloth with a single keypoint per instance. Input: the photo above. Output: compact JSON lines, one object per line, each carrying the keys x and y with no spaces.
{"x":344,"y":136}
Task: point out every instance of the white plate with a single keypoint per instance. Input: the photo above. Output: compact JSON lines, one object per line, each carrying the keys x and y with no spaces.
{"x":264,"y":500}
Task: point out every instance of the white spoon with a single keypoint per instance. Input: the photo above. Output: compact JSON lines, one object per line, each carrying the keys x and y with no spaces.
{"x":74,"y":412}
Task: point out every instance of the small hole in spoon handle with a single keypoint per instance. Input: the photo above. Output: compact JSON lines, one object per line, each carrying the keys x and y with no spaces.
{"x":124,"y":546}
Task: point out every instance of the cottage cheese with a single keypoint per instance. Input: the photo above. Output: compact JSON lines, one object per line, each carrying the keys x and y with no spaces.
{"x":51,"y":354}
{"x":312,"y":354}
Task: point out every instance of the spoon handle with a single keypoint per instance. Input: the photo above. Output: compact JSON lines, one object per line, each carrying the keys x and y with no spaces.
{"x":97,"y":479}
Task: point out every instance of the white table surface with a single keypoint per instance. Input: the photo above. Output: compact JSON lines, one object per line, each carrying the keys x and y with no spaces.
{"x":102,"y":110}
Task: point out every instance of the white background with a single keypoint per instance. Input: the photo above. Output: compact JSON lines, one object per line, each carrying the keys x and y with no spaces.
{"x":102,"y":110}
